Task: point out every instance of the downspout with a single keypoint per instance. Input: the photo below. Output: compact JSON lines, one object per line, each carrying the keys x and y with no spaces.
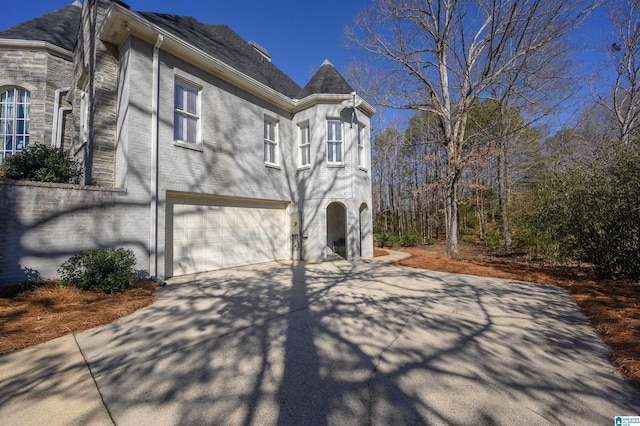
{"x":57,"y":116}
{"x":61,"y":111}
{"x":153,"y":205}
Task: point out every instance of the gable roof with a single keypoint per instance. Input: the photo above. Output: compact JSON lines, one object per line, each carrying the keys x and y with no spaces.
{"x":59,"y":28}
{"x":326,"y":81}
{"x":223,"y":43}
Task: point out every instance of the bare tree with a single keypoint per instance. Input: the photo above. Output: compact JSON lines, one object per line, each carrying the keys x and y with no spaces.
{"x":625,"y":16}
{"x":441,"y":56}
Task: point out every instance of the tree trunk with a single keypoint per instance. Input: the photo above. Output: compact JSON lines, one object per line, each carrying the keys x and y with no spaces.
{"x":451,"y":216}
{"x":503,"y":193}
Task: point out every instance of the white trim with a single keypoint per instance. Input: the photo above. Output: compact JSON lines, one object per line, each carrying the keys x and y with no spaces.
{"x":275,"y":142}
{"x":57,"y":116}
{"x":335,"y":142}
{"x":187,"y":86}
{"x":301,"y":127}
{"x":13,"y":119}
{"x":120,"y":23}
{"x":39,"y":45}
{"x":361,"y":144}
{"x":60,"y":117}
{"x":155,"y":141}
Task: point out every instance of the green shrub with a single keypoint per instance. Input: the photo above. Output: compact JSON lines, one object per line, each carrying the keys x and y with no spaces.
{"x":409,"y":239}
{"x":381,"y":239}
{"x":41,"y":163}
{"x":589,"y":213}
{"x":493,"y":240}
{"x":109,"y":270}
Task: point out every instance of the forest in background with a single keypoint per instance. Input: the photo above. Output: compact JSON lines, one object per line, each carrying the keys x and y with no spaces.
{"x":475,"y":159}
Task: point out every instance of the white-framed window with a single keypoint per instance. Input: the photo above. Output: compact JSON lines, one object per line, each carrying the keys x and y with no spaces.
{"x":186,"y":116}
{"x":271,"y":140}
{"x":362,"y":158}
{"x":15,"y":104}
{"x":334,"y":141}
{"x":304,"y":145}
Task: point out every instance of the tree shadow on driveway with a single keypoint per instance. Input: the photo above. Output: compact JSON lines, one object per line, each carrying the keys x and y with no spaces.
{"x":354,"y":343}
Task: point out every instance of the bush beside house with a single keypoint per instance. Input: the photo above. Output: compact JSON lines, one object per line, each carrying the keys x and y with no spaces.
{"x":41,"y":163}
{"x":109,"y":270}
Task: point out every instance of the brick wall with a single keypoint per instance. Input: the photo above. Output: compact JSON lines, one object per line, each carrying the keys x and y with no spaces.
{"x":44,"y":224}
{"x":230,"y":161}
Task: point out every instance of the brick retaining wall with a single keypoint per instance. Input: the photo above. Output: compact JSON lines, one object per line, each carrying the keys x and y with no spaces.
{"x":43,"y":224}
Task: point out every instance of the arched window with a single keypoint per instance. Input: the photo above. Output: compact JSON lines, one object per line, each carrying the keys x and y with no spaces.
{"x":14,"y":121}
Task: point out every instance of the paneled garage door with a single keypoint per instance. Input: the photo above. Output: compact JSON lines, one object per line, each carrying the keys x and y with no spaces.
{"x":210,"y":234}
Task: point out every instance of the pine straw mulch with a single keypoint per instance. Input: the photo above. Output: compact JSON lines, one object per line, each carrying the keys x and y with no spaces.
{"x":613,"y":307}
{"x":30,"y":317}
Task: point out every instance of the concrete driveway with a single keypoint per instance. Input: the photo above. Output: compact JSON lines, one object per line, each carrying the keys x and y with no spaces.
{"x":336,"y":343}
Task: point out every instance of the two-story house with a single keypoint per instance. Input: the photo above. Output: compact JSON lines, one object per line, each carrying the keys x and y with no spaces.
{"x":207,"y":154}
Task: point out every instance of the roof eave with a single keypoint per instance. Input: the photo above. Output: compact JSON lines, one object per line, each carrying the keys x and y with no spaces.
{"x":120,"y":23}
{"x":6,"y":43}
{"x":332,"y":98}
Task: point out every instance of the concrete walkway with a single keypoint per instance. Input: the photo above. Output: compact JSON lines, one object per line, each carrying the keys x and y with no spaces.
{"x":337,"y":343}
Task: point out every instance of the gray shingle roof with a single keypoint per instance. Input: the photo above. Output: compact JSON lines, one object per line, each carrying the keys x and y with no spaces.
{"x":224,"y":44}
{"x":59,"y":28}
{"x":326,"y":80}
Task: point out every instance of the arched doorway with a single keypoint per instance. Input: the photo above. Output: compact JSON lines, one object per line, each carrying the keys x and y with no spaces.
{"x":337,"y":228}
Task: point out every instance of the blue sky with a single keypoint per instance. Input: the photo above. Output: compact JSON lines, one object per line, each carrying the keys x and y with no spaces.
{"x":299,"y":35}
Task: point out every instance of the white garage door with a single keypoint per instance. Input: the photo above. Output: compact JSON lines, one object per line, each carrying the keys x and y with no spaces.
{"x":209,"y":235}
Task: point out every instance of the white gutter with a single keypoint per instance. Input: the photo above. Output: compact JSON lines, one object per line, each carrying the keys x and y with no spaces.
{"x":55,"y":139}
{"x":61,"y":112}
{"x":40,"y":45}
{"x":153,"y":213}
{"x":120,"y":23}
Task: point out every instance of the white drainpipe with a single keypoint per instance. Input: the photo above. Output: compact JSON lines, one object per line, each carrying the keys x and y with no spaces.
{"x":61,"y":111}
{"x":57,"y":117}
{"x":153,"y":213}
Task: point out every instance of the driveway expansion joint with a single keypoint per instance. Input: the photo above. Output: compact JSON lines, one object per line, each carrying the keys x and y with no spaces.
{"x":86,"y":363}
{"x":379,"y":359}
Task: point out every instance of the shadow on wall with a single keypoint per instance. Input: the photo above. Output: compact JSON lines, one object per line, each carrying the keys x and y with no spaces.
{"x":11,"y":255}
{"x":45,"y":224}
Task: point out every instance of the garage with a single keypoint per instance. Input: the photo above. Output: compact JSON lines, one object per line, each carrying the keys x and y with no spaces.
{"x":205,"y":234}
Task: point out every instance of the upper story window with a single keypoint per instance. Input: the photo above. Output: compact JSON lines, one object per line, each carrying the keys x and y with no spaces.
{"x":304,"y":145}
{"x":186,"y":116}
{"x":334,"y":141}
{"x":14,"y":121}
{"x":362,"y":159}
{"x":270,"y":140}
